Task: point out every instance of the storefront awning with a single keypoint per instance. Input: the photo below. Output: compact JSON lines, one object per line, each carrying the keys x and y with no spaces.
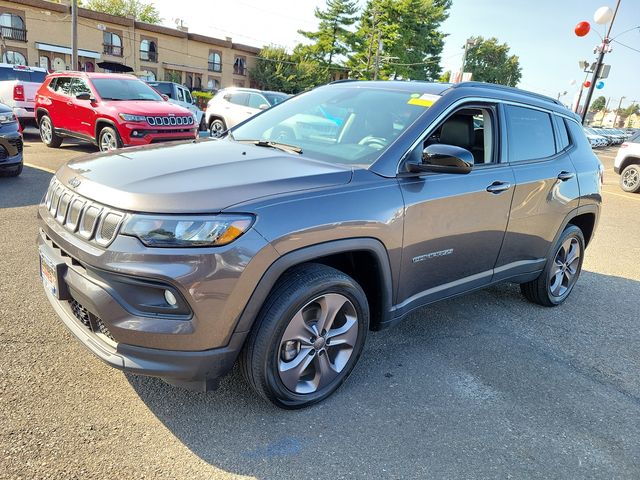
{"x":46,"y":47}
{"x":115,"y":67}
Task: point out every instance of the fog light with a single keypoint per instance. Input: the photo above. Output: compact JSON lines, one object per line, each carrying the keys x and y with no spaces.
{"x":170,"y":298}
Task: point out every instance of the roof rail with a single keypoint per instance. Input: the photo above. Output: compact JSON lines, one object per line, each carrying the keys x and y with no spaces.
{"x":505,"y":88}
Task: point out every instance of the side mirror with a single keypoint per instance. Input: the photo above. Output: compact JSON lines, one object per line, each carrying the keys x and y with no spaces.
{"x":165,"y":97}
{"x":441,"y":158}
{"x":263,"y":106}
{"x":85,"y":96}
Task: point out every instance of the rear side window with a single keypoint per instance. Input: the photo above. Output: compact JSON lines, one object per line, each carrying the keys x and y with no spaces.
{"x":239,"y":98}
{"x":563,"y":135}
{"x":635,"y":138}
{"x":529,"y":134}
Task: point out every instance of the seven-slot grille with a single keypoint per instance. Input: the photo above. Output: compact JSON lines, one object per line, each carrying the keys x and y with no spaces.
{"x":166,"y":121}
{"x":90,"y":220}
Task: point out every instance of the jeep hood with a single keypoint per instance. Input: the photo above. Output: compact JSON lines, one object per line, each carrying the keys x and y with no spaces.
{"x":198,"y":177}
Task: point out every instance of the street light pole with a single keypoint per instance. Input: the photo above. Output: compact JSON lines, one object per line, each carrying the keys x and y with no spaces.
{"x":74,"y":35}
{"x":596,"y":71}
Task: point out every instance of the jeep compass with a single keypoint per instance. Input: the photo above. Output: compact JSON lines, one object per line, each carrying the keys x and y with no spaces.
{"x":339,"y":211}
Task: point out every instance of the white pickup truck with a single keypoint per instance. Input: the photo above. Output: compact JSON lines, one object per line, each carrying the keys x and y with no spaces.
{"x":18,"y":87}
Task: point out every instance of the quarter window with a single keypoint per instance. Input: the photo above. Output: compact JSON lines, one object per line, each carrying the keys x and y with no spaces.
{"x":563,"y":136}
{"x":63,"y":85}
{"x":529,"y":134}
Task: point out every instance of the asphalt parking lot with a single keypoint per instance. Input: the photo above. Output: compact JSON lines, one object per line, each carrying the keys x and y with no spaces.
{"x":483,"y":386}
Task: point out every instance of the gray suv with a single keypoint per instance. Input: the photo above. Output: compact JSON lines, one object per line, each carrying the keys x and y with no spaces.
{"x":339,"y":211}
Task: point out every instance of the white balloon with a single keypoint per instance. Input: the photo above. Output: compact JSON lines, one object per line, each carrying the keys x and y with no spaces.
{"x":572,"y":82}
{"x":603,"y":15}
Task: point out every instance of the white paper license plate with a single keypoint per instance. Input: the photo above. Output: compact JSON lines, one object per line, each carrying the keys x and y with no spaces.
{"x":49,"y":274}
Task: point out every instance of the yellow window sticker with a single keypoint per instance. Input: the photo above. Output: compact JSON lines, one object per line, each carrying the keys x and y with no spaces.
{"x":424,"y":100}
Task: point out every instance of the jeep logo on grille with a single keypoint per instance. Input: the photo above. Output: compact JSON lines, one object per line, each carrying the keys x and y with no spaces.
{"x":74,"y":182}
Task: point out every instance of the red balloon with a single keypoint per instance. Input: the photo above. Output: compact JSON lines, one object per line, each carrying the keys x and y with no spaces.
{"x":582,"y":29}
{"x":587,"y":84}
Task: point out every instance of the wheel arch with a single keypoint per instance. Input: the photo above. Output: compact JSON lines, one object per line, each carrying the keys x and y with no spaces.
{"x":104,"y":122}
{"x":364,"y":259}
{"x":630,"y":160}
{"x":40,"y":112}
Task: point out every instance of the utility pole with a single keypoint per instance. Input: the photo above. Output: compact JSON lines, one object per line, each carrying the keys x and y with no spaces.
{"x":615,"y":119}
{"x":74,"y":35}
{"x":606,"y":109}
{"x":604,"y":47}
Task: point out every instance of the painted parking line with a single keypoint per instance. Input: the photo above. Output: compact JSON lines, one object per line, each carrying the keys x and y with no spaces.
{"x":629,"y":196}
{"x":44,"y":169}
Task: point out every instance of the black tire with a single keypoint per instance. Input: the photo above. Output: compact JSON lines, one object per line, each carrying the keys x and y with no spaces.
{"x":294,"y":291}
{"x":630,"y":179}
{"x":540,"y":290}
{"x":216,"y":127}
{"x":13,"y":172}
{"x":108,"y":135}
{"x":48,"y":134}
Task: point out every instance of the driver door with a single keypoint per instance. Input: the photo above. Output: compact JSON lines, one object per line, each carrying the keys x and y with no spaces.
{"x":455,"y":223}
{"x":83,"y":110}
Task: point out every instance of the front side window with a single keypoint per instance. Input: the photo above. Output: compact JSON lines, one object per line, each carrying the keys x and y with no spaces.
{"x":215,"y":62}
{"x":180,"y":95}
{"x":256,"y":101}
{"x":239,"y":98}
{"x":80,"y":86}
{"x":338,"y":124}
{"x":14,"y":58}
{"x":529,"y":134}
{"x":187,"y":97}
{"x":124,"y":89}
{"x":148,"y":51}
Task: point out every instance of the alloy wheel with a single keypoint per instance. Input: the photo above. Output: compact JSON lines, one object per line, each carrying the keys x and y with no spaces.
{"x":216,"y":129}
{"x":630,"y":178}
{"x":45,"y":130}
{"x":108,"y":142}
{"x":318,"y":343}
{"x":564,"y":272}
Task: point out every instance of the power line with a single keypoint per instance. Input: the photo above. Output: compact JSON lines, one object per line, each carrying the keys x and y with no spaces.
{"x":624,"y":45}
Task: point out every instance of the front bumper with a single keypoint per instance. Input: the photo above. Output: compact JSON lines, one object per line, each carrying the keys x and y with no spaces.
{"x":10,"y":147}
{"x":144,"y":134}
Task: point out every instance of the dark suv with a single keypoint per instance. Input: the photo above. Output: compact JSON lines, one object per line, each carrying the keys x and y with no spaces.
{"x":336,"y":212}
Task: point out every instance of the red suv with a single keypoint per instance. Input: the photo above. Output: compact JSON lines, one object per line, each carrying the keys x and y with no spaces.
{"x":109,"y":110}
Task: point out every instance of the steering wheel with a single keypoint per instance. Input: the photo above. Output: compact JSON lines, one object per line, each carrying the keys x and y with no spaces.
{"x":377,"y":143}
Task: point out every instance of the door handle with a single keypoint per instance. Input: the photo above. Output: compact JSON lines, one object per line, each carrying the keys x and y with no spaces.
{"x":70,"y":103}
{"x":498,"y":187}
{"x":564,"y":176}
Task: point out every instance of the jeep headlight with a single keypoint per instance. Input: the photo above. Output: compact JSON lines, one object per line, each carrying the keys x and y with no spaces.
{"x":7,"y":117}
{"x":186,"y":231}
{"x":127,"y":117}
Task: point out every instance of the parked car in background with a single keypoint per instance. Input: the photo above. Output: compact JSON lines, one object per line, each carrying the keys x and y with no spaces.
{"x":230,"y":106}
{"x":109,"y":110}
{"x":613,"y":138}
{"x":10,"y":143}
{"x":18,"y":86}
{"x":282,"y":247}
{"x":180,"y":95}
{"x":627,"y":164}
{"x":595,"y":140}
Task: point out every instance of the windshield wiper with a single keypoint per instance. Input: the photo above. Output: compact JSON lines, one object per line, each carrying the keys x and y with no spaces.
{"x":277,"y":145}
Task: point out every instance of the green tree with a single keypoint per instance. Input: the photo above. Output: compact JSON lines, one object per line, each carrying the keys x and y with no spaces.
{"x":445,"y":77}
{"x":632,"y":109}
{"x":138,"y":9}
{"x":400,"y":38}
{"x":276,"y":69}
{"x":598,"y":104}
{"x":333,"y":38}
{"x":489,"y":61}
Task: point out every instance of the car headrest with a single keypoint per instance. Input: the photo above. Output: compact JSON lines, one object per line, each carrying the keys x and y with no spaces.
{"x":458,"y":131}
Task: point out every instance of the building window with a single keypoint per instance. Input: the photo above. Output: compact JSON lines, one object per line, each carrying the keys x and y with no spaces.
{"x":14,"y":58}
{"x":112,"y":44}
{"x":213,"y":84}
{"x":215,"y":62}
{"x":88,"y":67}
{"x":239,"y":66}
{"x":148,"y":51}
{"x":148,"y":76}
{"x":13,"y":27}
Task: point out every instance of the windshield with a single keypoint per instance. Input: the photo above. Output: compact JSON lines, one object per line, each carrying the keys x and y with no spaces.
{"x":275,"y":98}
{"x":338,"y":125}
{"x":124,"y":89}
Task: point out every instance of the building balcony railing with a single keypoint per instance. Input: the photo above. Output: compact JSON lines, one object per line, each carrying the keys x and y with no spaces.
{"x":12,"y":33}
{"x":238,"y":70}
{"x":214,"y":67}
{"x":148,"y":56}
{"x":114,"y":50}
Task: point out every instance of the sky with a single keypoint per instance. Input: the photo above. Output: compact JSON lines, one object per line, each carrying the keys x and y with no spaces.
{"x":539,"y":32}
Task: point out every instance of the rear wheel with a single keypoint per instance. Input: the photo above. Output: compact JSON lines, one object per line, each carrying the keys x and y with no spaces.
{"x":307,"y":338}
{"x":630,"y":179}
{"x":561,"y":271}
{"x":108,"y":139}
{"x":217,"y":127}
{"x":48,"y":134}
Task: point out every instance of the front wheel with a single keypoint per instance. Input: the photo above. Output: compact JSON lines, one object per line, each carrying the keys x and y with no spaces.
{"x":630,"y":179}
{"x":561,"y":272}
{"x":307,"y":338}
{"x":217,"y":128}
{"x":108,"y":140}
